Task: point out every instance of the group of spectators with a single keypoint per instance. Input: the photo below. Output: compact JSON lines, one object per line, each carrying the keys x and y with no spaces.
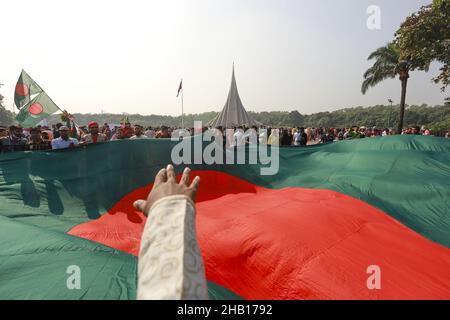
{"x":306,"y":136}
{"x":59,"y":136}
{"x":16,"y":138}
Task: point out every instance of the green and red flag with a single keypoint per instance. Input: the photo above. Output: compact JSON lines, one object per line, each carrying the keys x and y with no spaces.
{"x":26,"y":87}
{"x":125,"y":120}
{"x":315,"y":230}
{"x":39,"y":108}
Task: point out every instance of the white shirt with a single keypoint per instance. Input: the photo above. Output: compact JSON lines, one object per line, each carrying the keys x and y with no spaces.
{"x":296,"y":138}
{"x":252,"y":136}
{"x":60,"y":143}
{"x":238,"y":140}
{"x":263,"y":137}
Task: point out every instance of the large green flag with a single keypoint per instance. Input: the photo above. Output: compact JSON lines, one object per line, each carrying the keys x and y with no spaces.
{"x":39,"y":108}
{"x":25,"y":87}
{"x":325,"y":226}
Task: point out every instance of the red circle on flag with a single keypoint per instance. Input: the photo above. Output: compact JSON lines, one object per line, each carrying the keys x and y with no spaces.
{"x":35,"y":109}
{"x":21,"y":90}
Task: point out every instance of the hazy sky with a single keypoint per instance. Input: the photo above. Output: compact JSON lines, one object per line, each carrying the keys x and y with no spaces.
{"x":129,"y":56}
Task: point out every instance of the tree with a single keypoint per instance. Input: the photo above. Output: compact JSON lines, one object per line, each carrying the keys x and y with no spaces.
{"x":6,"y":117}
{"x":388,"y":64}
{"x":424,"y":37}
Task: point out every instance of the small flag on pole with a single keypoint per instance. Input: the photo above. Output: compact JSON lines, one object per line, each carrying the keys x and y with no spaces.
{"x":180,"y":87}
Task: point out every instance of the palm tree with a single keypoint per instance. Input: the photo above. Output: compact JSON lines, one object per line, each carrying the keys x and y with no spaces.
{"x":388,"y":64}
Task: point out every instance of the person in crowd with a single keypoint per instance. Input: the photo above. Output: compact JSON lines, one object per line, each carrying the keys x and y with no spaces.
{"x":238,"y":137}
{"x":14,"y":141}
{"x":263,"y":136}
{"x":328,"y":136}
{"x":290,"y":135}
{"x":118,"y":135}
{"x":348,"y":133}
{"x":296,"y":137}
{"x":3,"y":132}
{"x":139,"y":133}
{"x":56,"y":130}
{"x":273,"y":137}
{"x":303,"y":137}
{"x":127,"y":130}
{"x":46,"y":136}
{"x":64,"y":141}
{"x":361,"y":133}
{"x":164,"y":133}
{"x":253,"y":136}
{"x":106,"y":130}
{"x":36,"y":142}
{"x":340,"y":134}
{"x":285,"y":139}
{"x":94,"y":135}
{"x":150,"y":133}
{"x":308,"y":132}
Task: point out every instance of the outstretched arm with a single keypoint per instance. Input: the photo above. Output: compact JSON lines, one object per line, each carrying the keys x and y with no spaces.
{"x":170,"y":263}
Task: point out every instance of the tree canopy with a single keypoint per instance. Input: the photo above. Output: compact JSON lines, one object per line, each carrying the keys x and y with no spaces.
{"x":6,"y":116}
{"x":424,"y":37}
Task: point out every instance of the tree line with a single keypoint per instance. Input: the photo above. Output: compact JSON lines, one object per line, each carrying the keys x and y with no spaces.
{"x":436,"y":118}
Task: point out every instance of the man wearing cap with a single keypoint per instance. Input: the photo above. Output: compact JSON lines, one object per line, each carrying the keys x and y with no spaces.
{"x":94,"y":135}
{"x":64,"y":141}
{"x":14,"y":141}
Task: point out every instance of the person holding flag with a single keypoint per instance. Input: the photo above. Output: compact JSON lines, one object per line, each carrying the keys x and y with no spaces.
{"x":127,"y":130}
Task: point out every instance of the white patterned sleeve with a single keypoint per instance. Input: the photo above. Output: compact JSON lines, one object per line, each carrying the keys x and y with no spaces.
{"x":170,"y":264}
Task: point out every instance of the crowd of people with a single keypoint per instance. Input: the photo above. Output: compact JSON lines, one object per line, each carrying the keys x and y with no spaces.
{"x":59,"y":136}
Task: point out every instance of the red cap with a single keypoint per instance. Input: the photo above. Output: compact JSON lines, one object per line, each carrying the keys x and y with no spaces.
{"x":92,"y":123}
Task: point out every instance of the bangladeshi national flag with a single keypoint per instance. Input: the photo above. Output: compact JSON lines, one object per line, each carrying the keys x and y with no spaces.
{"x":315,"y":230}
{"x":36,"y":110}
{"x":25,"y":88}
